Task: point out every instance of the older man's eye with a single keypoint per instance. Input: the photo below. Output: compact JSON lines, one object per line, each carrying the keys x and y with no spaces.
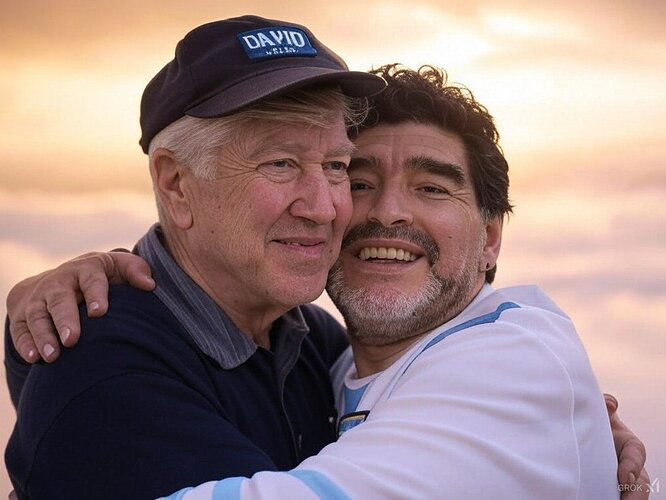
{"x":280,"y":170}
{"x":279,"y":163}
{"x":359,"y":186}
{"x":338,"y":166}
{"x":279,"y":166}
{"x":335,"y":171}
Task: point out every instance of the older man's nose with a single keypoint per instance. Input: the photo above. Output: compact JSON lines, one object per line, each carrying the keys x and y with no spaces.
{"x":315,"y":199}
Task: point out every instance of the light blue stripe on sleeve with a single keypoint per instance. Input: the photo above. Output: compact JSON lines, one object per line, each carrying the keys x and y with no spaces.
{"x":479,"y":320}
{"x":228,"y":489}
{"x":224,"y":489}
{"x":320,"y":484}
{"x":178,"y":495}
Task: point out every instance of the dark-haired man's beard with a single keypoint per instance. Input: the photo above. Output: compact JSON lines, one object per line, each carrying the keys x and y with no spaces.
{"x":383,"y":317}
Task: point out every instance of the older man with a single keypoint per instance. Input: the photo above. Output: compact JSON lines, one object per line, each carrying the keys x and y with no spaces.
{"x":217,"y":372}
{"x":456,"y":387}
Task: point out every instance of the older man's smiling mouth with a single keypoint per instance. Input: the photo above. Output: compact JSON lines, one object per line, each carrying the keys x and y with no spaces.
{"x":304,"y":246}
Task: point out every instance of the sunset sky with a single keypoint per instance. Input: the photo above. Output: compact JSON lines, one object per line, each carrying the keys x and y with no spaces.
{"x":578,"y":90}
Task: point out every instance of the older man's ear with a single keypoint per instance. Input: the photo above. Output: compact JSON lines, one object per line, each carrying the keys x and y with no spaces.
{"x":169,"y":179}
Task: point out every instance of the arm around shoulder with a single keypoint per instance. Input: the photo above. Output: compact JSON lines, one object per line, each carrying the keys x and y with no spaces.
{"x":487,"y":413}
{"x":127,"y":413}
{"x":137,"y":435}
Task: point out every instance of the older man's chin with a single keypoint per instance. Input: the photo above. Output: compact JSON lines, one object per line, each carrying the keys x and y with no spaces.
{"x":297,"y":292}
{"x":293,"y":283}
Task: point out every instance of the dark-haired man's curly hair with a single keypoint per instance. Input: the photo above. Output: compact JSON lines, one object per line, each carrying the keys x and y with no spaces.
{"x":424,"y":97}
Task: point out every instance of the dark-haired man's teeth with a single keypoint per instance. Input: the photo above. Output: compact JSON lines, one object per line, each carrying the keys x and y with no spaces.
{"x":386,"y":253}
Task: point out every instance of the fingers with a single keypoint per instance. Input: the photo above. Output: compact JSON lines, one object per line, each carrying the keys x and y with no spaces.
{"x":39,"y":305}
{"x":22,"y":341}
{"x":63,"y":307}
{"x":132,"y":269}
{"x":639,"y":490}
{"x":96,"y":271}
{"x":93,"y":282}
{"x":630,"y":450}
{"x":631,"y":461}
{"x":633,"y":480}
{"x":39,"y":325}
{"x":17,"y":298}
{"x":611,"y":404}
{"x":43,"y":310}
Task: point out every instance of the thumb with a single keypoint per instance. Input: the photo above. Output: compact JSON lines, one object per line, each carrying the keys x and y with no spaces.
{"x":132,"y":269}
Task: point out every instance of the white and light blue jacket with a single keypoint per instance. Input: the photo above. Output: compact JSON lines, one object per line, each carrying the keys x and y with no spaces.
{"x":500,"y":402}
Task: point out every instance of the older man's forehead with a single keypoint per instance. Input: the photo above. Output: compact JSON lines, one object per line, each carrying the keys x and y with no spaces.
{"x":332,"y":145}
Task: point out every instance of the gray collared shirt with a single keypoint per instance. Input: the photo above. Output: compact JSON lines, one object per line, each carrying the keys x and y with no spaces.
{"x":210,"y":328}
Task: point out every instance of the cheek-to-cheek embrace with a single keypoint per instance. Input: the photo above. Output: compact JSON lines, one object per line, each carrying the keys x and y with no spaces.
{"x":415,"y":246}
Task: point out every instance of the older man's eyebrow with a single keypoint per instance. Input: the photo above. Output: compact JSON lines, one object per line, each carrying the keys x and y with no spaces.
{"x":436,"y":167}
{"x":268,"y":147}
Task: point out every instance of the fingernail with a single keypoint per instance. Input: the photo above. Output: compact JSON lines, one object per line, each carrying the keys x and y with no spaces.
{"x":65,"y":334}
{"x":48,"y":350}
{"x":94,"y":306}
{"x":31,"y":353}
{"x":632,"y":478}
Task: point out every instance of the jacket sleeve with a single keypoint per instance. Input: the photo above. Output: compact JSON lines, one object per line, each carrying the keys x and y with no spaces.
{"x":126,"y":413}
{"x":482,"y":415}
{"x":137,"y":435}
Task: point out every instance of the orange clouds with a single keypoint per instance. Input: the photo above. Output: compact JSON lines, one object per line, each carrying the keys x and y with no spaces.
{"x":74,"y":71}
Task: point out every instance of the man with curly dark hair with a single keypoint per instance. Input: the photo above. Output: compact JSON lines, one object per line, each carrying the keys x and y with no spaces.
{"x":425,"y":97}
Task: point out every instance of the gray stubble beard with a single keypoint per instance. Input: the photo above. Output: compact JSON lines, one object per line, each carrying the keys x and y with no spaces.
{"x":374,"y":319}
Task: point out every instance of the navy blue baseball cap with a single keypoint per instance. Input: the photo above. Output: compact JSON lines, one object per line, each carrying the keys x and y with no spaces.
{"x":224,"y":66}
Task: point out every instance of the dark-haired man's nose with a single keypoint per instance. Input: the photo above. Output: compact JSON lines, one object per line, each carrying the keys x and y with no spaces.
{"x":390,"y":209}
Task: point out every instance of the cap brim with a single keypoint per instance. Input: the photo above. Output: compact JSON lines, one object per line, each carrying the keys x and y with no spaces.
{"x":280,"y":81}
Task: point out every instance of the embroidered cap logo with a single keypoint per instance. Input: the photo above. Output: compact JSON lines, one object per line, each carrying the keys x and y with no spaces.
{"x":276,"y":41}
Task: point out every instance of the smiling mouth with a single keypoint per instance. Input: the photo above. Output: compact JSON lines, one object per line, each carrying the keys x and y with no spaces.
{"x":297,"y":244}
{"x":301,"y":241}
{"x":379,"y":254}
